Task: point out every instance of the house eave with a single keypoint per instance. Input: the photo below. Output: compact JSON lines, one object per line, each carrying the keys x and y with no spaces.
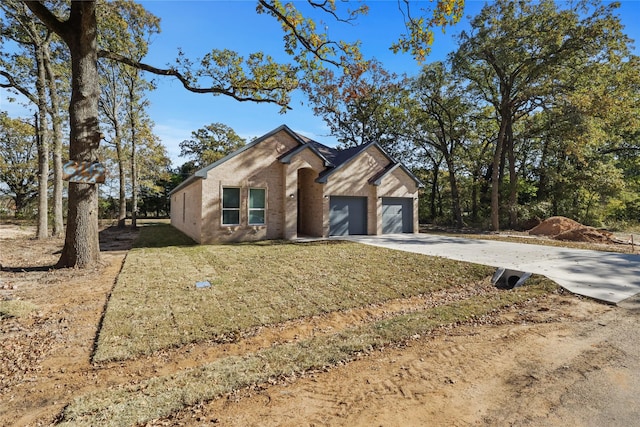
{"x":202,"y":173}
{"x":377,"y":180}
{"x":185,"y":183}
{"x":287,"y":157}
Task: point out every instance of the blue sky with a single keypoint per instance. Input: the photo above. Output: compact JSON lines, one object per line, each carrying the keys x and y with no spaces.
{"x":236,"y":25}
{"x":197,"y":26}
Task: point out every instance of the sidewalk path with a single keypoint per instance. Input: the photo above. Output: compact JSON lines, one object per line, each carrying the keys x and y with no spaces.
{"x":606,"y":276}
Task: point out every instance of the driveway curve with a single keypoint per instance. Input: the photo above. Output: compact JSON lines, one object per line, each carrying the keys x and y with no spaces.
{"x":605,"y":276}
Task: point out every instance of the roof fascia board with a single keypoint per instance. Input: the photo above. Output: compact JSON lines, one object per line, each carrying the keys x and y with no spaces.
{"x":202,"y":173}
{"x":411,"y":175}
{"x":378,"y":180}
{"x":402,"y":166}
{"x":286,"y":159}
{"x":323,"y":179}
{"x":184,"y":184}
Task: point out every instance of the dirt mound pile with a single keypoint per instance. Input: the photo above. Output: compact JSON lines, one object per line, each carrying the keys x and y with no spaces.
{"x":561,"y":228}
{"x":554,"y":226}
{"x":586,"y":234}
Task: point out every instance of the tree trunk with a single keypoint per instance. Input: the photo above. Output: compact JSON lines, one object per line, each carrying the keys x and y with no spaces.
{"x":122,"y":176}
{"x":513,"y":178}
{"x":20,"y":201}
{"x":81,"y":248}
{"x":43,"y":147}
{"x":474,"y":197}
{"x":455,"y":194}
{"x":434,"y":191}
{"x":134,"y":179}
{"x":58,"y":185}
{"x":495,"y":178}
{"x":542,"y":192}
{"x":133,"y":122}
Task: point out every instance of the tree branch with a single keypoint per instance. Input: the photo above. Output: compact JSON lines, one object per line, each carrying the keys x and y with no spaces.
{"x":231,"y":91}
{"x":14,"y":85}
{"x":48,"y":18}
{"x":618,"y":150}
{"x":315,"y":51}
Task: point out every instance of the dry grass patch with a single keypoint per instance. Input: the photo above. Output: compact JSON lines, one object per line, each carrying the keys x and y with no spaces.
{"x":16,"y":308}
{"x":155,"y":303}
{"x":162,"y":396}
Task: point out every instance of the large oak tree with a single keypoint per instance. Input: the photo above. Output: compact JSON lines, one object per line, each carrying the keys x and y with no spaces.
{"x":517,"y":54}
{"x":258,"y":78}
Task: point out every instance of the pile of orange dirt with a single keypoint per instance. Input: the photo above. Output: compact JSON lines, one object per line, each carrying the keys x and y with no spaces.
{"x":561,"y":228}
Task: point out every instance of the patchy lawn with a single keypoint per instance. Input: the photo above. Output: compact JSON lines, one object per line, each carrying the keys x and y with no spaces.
{"x":161,"y":396}
{"x":156,"y":305}
{"x":340,"y":303}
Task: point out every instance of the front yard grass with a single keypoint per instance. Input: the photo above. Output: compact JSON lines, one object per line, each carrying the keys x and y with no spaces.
{"x":139,"y":403}
{"x":156,"y":305}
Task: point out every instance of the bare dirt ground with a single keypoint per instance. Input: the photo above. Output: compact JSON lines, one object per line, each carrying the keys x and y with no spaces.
{"x":562,"y":360}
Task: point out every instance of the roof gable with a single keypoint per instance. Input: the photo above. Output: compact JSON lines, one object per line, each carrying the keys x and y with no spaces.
{"x":202,"y":173}
{"x":377,"y":179}
{"x":287,"y":157}
{"x":334,"y":159}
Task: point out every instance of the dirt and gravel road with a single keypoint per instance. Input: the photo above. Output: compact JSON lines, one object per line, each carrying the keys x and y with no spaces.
{"x":563,"y":360}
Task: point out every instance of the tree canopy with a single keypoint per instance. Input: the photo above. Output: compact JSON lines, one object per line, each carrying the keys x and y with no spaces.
{"x":210,"y":143}
{"x":538,"y":102}
{"x":256,"y":78}
{"x":18,"y":161}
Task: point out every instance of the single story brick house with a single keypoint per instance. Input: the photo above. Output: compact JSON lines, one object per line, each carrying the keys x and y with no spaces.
{"x":284,"y":185}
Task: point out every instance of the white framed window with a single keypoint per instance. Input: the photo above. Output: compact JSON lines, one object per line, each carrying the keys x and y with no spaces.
{"x":257,"y":206}
{"x":230,"y":206}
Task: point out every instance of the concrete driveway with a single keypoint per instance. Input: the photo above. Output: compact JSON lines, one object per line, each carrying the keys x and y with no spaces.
{"x":606,"y":276}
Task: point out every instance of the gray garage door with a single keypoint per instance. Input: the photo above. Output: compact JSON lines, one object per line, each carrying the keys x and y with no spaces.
{"x":397,"y":215}
{"x":348,"y":215}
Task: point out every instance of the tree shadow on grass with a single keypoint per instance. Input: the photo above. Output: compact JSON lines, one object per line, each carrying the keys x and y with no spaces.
{"x":161,"y":235}
{"x":115,"y":238}
{"x":111,"y":239}
{"x":32,"y":269}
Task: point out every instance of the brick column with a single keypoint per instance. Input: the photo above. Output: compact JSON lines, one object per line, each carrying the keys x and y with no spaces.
{"x":290,"y":204}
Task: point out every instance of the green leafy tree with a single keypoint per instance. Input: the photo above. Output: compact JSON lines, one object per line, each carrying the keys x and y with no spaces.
{"x":18,"y":161}
{"x":439,"y":116}
{"x":581,"y":140}
{"x":257,"y":79}
{"x":126,"y":27}
{"x":210,"y":144}
{"x":155,"y":193}
{"x":184,"y":171}
{"x":151,"y":162}
{"x":31,"y":71}
{"x":517,"y":53}
{"x":360,"y":106}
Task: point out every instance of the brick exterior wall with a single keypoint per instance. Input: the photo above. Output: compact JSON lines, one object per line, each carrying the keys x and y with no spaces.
{"x":186,"y":208}
{"x":295,"y":202}
{"x":257,"y":167}
{"x":353,"y":180}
